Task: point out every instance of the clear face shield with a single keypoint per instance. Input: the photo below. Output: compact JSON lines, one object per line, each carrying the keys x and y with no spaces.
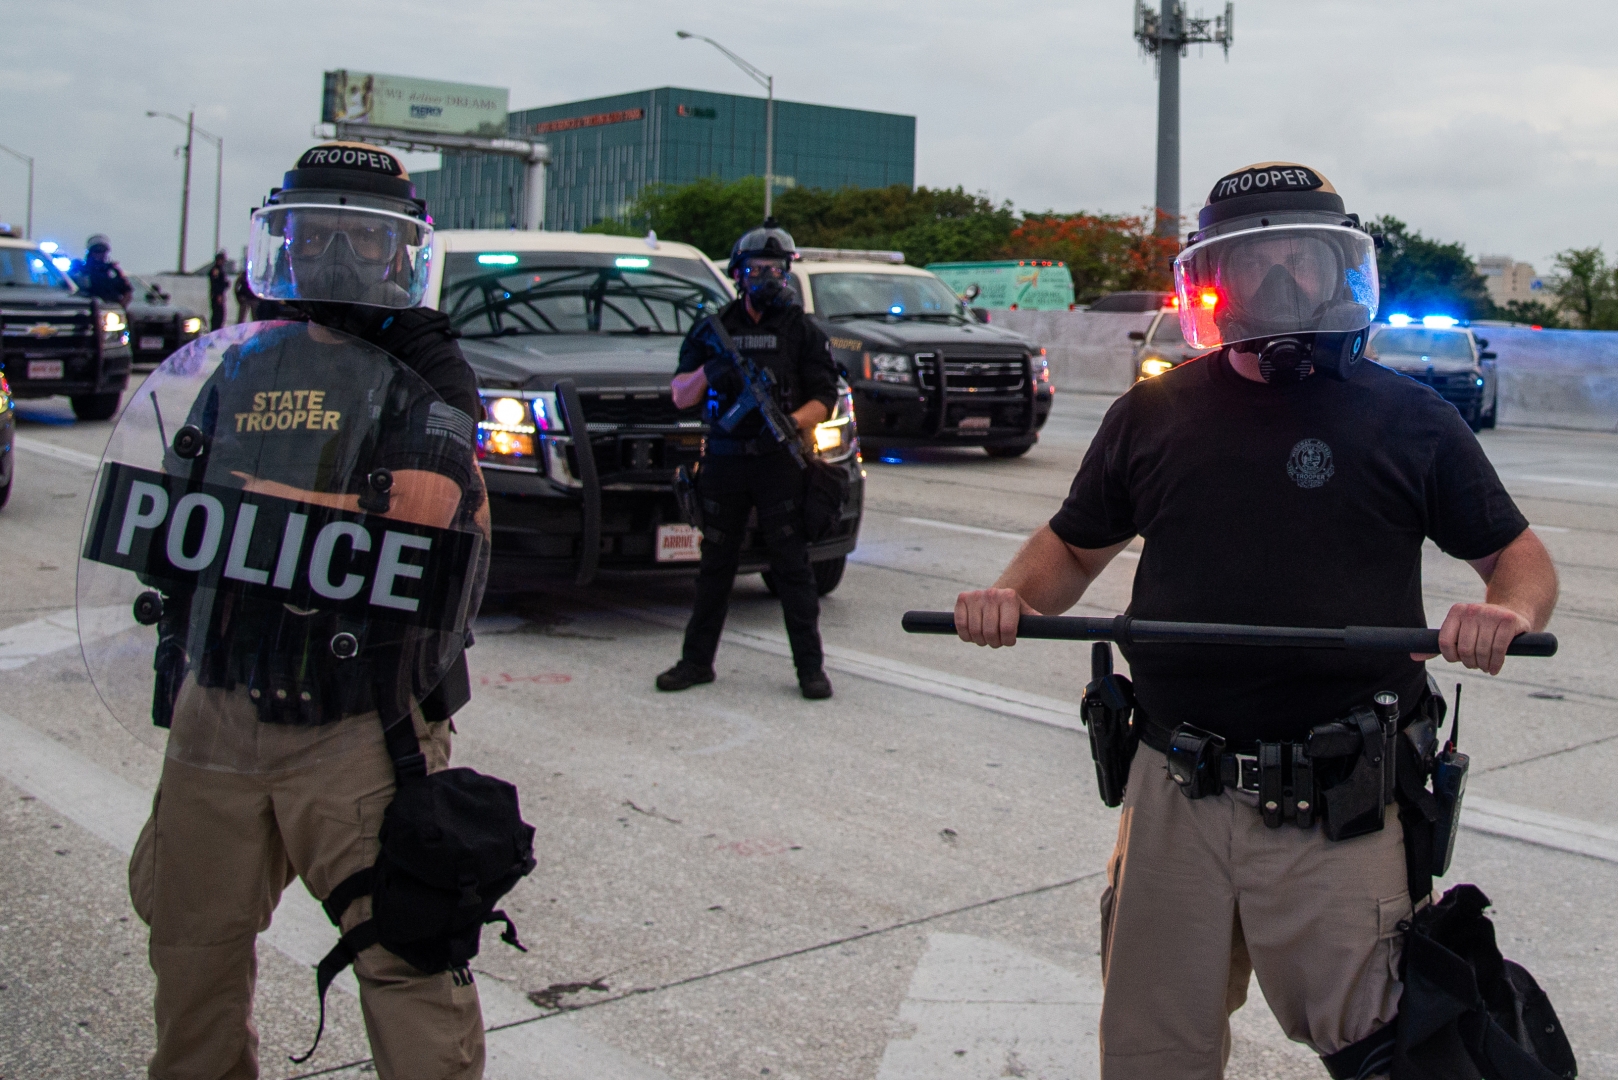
{"x":339,"y":253}
{"x":1274,"y":282}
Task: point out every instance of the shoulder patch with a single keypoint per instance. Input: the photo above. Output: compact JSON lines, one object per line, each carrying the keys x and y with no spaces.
{"x":448,"y":422}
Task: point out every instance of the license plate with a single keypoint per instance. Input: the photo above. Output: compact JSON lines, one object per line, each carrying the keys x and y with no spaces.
{"x":974,"y":423}
{"x":44,"y":369}
{"x":151,"y":343}
{"x":678,"y":543}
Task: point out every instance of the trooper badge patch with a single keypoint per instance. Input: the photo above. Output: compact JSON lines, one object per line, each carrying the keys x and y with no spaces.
{"x":1310,"y":464}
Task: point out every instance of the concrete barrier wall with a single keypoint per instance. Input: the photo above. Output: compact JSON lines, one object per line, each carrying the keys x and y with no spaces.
{"x":1548,"y":378}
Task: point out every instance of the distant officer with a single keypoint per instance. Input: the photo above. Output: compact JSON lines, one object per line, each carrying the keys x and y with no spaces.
{"x":1279,"y":480}
{"x":747,"y":468}
{"x":346,"y":252}
{"x":98,"y":275}
{"x":218,"y":289}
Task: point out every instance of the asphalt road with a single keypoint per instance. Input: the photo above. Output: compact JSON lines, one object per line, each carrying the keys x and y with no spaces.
{"x":900,"y":883}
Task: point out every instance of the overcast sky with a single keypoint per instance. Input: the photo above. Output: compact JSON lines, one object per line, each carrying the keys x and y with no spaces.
{"x":1489,"y":122}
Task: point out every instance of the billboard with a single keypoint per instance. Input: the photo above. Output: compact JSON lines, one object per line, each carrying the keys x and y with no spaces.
{"x":1026,"y":285}
{"x":395,"y":101}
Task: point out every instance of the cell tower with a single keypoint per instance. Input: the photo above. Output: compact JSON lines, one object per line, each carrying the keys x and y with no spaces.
{"x":1165,"y":35}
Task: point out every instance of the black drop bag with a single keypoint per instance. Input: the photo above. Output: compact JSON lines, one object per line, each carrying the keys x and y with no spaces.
{"x":452,"y":844}
{"x":825,"y":491}
{"x":1464,"y":1004}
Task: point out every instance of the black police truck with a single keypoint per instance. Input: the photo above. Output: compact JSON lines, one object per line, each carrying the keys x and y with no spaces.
{"x":538,"y":311}
{"x":55,"y":339}
{"x":924,"y":370}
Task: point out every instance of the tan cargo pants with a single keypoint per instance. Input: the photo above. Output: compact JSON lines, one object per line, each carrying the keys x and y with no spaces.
{"x":208,"y":871}
{"x":1201,"y":894}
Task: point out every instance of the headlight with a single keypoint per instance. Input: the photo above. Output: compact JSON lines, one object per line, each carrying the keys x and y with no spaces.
{"x":192,"y":325}
{"x":112,"y":322}
{"x":889,"y":368}
{"x":508,"y":411}
{"x":835,"y":437}
{"x":509,"y":436}
{"x":1153,"y":366}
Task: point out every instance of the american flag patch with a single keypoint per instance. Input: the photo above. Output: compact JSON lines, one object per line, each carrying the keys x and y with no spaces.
{"x":446,"y":421}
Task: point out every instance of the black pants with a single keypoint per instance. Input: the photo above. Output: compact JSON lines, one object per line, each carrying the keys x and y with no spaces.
{"x":729,"y":488}
{"x":216,"y":311}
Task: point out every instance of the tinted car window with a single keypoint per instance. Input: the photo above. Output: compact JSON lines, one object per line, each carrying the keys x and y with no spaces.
{"x":1407,"y":342}
{"x":1168,"y":333}
{"x":25,"y":266}
{"x":878,"y":295}
{"x":491,"y":294}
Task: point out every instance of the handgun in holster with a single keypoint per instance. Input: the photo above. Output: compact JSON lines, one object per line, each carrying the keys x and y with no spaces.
{"x":1108,"y":709}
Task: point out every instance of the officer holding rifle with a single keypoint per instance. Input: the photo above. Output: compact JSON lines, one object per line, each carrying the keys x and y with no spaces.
{"x":1279,"y":480}
{"x":752,"y":456}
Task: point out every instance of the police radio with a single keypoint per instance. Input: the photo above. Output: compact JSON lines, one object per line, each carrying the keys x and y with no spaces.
{"x":1449,"y":786}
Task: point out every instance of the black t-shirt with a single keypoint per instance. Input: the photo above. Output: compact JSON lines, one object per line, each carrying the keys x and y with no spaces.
{"x":784,"y":342}
{"x":102,"y":280}
{"x":1301,"y":505}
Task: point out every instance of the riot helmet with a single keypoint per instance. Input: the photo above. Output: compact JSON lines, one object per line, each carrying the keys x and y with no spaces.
{"x":1278,"y":268}
{"x":345,"y":227}
{"x":761,"y":263}
{"x":95,"y":242}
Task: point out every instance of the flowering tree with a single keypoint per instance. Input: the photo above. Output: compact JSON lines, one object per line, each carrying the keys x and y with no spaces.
{"x":1104,"y":252}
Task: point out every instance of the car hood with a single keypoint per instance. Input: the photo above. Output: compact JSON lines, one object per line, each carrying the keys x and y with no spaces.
{"x":1415,"y":365}
{"x":909,"y":334}
{"x":592,"y":361}
{"x":20,"y":297}
{"x":155,"y":312}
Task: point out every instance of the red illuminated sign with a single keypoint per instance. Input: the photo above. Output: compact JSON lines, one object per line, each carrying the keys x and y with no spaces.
{"x":573,"y":123}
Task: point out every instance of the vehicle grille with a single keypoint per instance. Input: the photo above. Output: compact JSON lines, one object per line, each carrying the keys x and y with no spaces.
{"x":634,"y":409}
{"x":974,"y":374}
{"x":72,"y":336}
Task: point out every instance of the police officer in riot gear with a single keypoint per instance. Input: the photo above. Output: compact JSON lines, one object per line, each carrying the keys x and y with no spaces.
{"x":746,"y":468}
{"x":98,"y":275}
{"x":314,"y":416}
{"x":1278,"y":480}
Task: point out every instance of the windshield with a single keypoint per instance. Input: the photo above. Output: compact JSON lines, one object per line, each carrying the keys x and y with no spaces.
{"x":1412,"y":342}
{"x":1167,"y":334}
{"x":905,"y":296}
{"x":27,"y":266}
{"x":491,"y":294}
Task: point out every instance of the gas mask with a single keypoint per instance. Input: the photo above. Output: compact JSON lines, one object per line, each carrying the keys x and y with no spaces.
{"x":343,"y":254}
{"x":764,"y":281}
{"x":1284,"y":361}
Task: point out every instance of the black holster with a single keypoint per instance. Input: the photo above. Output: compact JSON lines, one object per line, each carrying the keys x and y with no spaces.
{"x":685,"y":494}
{"x":1109,"y":704}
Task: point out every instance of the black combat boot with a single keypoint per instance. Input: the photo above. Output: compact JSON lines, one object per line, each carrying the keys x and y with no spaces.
{"x":683,"y":676}
{"x":814,"y":685}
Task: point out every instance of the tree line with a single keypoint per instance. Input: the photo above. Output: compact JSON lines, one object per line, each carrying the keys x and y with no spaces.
{"x":1104,"y":252}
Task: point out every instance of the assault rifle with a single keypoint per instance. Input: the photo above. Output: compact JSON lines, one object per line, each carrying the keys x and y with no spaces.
{"x":758,"y":388}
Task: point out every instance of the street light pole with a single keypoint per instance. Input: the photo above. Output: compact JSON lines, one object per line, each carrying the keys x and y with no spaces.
{"x":768,"y":82}
{"x":28,"y":229}
{"x":218,"y":179}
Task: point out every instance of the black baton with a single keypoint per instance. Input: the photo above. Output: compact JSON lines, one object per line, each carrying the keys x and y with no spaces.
{"x":1126,"y":631}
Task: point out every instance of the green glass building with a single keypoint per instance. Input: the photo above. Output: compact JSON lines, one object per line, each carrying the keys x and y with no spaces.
{"x":605,"y":150}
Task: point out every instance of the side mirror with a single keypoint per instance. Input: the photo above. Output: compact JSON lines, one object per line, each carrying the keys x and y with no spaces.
{"x":1483,"y":342}
{"x":1137,"y":335}
{"x":972,"y":293}
{"x":981,"y":314}
{"x":1488,"y":356}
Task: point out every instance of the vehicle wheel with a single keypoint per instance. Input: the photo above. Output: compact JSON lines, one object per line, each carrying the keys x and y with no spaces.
{"x":1474,"y":417}
{"x":1017,"y":450}
{"x":5,"y":492}
{"x":96,"y":406}
{"x":1494,"y":411}
{"x":828,"y":575}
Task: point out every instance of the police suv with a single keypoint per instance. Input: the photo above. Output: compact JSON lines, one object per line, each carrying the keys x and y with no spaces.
{"x":1161,"y":346}
{"x":923,"y":369}
{"x":606,"y":314}
{"x":53,"y":338}
{"x":1443,"y":353}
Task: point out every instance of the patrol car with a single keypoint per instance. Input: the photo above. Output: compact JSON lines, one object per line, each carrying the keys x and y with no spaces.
{"x":609,"y":314}
{"x":56,"y":340}
{"x":923,"y":369}
{"x":158,"y":326}
{"x":1444,"y":353}
{"x":1161,"y":346}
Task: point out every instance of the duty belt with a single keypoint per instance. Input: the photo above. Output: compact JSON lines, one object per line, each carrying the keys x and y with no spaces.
{"x":757,"y":447}
{"x":1237,"y":768}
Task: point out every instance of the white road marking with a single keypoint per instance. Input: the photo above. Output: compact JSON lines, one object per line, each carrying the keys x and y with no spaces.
{"x":112,"y":809}
{"x":982,"y":1009}
{"x":1549,"y":529}
{"x":995,"y":533}
{"x":60,"y":453}
{"x":24,"y":643}
{"x":1575,"y":481}
{"x":1540,"y":827}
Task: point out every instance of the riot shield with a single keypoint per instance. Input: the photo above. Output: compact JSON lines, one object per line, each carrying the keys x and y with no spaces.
{"x":286,"y":540}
